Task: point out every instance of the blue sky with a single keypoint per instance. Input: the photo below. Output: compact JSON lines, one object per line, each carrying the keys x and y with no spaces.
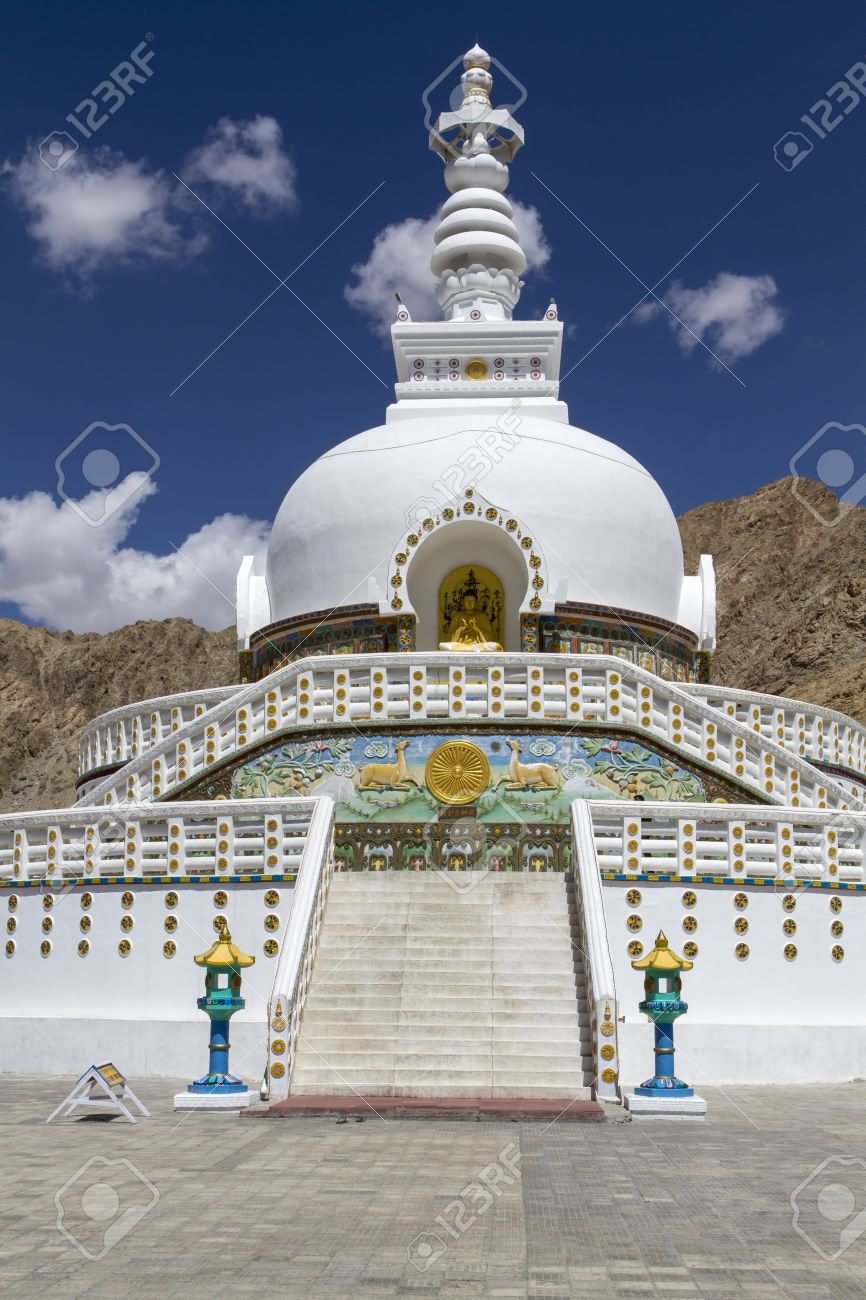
{"x":649,"y":122}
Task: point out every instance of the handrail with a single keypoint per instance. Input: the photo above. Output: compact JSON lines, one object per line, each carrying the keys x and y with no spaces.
{"x":818,"y":733}
{"x":724,"y":842}
{"x":598,"y":690}
{"x":598,"y":964}
{"x":298,"y":954}
{"x":193,"y":839}
{"x":120,"y":734}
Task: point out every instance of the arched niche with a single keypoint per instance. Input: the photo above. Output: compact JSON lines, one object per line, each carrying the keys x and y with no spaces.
{"x":472,"y":532}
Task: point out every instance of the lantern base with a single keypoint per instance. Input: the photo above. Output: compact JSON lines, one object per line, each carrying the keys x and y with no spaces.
{"x":667,"y":1086}
{"x":665,"y":1104}
{"x":214,"y":1099}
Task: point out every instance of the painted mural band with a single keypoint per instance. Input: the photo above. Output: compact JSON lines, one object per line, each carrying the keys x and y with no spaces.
{"x":524,"y":778}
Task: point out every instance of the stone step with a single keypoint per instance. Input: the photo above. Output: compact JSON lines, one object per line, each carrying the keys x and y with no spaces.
{"x":538,"y":1008}
{"x":524,"y":1024}
{"x":336,"y":1048}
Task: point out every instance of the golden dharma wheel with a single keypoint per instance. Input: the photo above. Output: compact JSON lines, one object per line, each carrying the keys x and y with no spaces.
{"x":457,"y":772}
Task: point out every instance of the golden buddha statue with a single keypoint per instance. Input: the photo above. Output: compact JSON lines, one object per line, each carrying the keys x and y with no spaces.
{"x":470,"y":627}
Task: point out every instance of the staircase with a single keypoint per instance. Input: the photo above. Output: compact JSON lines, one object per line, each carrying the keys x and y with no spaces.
{"x":422,"y":988}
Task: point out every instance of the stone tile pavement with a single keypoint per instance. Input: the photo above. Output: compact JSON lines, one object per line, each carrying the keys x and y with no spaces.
{"x":207,"y":1205}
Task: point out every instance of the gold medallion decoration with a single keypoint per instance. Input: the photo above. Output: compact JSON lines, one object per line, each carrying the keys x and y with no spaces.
{"x":45,"y":947}
{"x":12,"y":902}
{"x":741,"y":901}
{"x":171,"y":899}
{"x":789,"y":902}
{"x":635,"y":948}
{"x":690,"y":924}
{"x":84,"y":924}
{"x":272,"y":898}
{"x":633,"y":898}
{"x":690,"y":950}
{"x":220,"y":898}
{"x":270,"y":947}
{"x":278,"y":1046}
{"x":219,"y":924}
{"x":837,"y":928}
{"x":83,"y":948}
{"x":790,"y":951}
{"x":741,"y":925}
{"x":634,"y":922}
{"x":171,"y":924}
{"x":272,"y":921}
{"x":169,"y":948}
{"x":689,"y":898}
{"x":277,"y":1070}
{"x":278,"y":1024}
{"x":48,"y":902}
{"x":124,"y":948}
{"x":789,"y":926}
{"x":741,"y":951}
{"x":126,"y":923}
{"x":608,"y":1028}
{"x":835,"y":904}
{"x":11,"y":925}
{"x":10,"y":947}
{"x":86,"y":901}
{"x":127,"y":899}
{"x":837,"y":952}
{"x":608,"y":1075}
{"x":457,"y":772}
{"x":607,"y":1052}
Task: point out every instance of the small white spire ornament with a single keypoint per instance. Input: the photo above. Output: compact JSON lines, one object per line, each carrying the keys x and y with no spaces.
{"x":478,"y":260}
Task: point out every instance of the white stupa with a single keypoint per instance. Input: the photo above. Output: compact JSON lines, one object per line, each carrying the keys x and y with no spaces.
{"x":474,"y":784}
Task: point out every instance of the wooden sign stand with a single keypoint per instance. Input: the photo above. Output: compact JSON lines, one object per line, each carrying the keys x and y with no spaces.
{"x":100,"y":1087}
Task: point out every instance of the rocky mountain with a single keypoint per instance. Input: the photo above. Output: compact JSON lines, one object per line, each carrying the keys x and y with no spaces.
{"x":792,"y":620}
{"x":51,"y":683}
{"x":792,"y":592}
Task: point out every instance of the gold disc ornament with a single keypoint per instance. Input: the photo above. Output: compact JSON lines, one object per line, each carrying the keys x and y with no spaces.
{"x":457,"y":772}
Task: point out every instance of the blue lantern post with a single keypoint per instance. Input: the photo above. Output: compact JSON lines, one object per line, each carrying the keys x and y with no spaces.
{"x":218,"y":1089}
{"x":664,"y":1093}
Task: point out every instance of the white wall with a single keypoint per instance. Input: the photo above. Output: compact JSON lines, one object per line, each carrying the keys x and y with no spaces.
{"x":59,"y":1013}
{"x":762,"y":1020}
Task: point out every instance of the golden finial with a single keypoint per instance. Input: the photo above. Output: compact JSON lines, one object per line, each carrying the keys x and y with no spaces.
{"x":223,"y":952}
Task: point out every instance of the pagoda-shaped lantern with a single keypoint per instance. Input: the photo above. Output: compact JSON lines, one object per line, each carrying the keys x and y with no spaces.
{"x":218,"y":1089}
{"x":664,"y":1093}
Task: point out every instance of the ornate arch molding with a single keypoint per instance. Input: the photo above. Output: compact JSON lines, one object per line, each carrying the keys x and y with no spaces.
{"x":477,"y":511}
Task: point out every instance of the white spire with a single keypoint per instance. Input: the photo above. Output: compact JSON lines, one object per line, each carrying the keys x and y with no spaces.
{"x":478,"y":259}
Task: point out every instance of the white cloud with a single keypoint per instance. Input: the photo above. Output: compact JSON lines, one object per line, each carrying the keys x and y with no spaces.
{"x":246,"y":159}
{"x":732,"y":314}
{"x":399,"y":262}
{"x":100,"y":209}
{"x":66,"y":574}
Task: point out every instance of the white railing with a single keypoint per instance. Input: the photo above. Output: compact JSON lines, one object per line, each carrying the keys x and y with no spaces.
{"x":732,"y":840}
{"x":121,"y":734}
{"x":818,"y":734}
{"x":230,"y":837}
{"x":298,"y":954}
{"x":570,"y":690}
{"x":598,"y":966}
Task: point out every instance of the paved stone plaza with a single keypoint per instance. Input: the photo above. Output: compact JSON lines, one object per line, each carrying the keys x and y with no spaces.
{"x":216,"y":1205}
